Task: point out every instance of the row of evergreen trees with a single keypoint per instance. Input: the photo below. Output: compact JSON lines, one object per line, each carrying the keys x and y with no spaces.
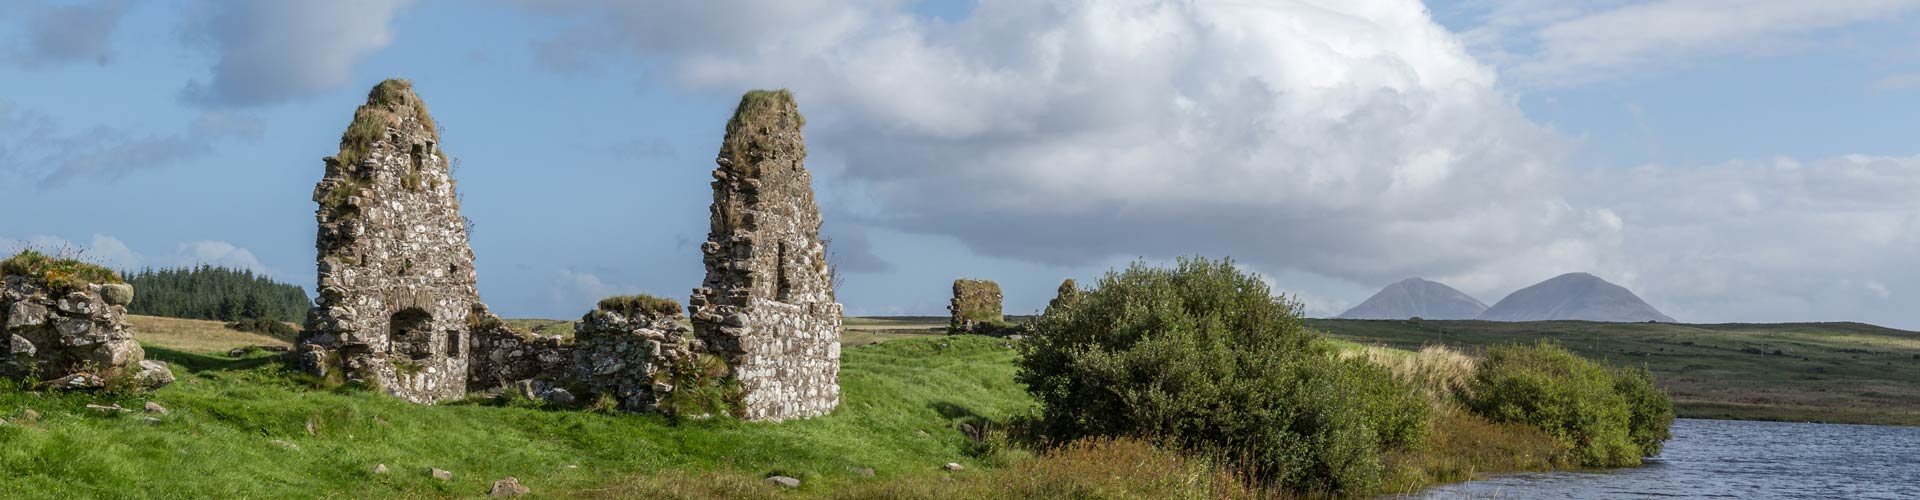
{"x":215,"y":293}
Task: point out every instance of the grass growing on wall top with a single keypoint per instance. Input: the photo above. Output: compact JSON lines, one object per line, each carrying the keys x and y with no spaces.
{"x":59,"y":273}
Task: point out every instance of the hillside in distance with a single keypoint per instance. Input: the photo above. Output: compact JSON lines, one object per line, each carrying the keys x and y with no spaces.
{"x":1417,"y":298}
{"x":1574,"y":296}
{"x":1796,"y":372}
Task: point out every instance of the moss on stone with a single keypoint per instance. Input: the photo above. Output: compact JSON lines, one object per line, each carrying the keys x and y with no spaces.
{"x":57,"y":273}
{"x":388,"y":105}
{"x":761,"y":115}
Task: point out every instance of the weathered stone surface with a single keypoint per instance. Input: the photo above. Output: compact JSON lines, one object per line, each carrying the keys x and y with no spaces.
{"x":440,"y":474}
{"x":508,"y":488}
{"x":954,"y":467}
{"x":975,"y":306}
{"x":396,"y":278}
{"x":1066,"y":294}
{"x":630,"y":359}
{"x":153,"y":374}
{"x":156,"y":408}
{"x":783,"y":481}
{"x":118,"y":294}
{"x":767,"y":305}
{"x":380,"y":469}
{"x":72,"y":338}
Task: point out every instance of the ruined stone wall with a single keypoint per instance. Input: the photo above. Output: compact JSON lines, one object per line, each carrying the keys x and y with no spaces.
{"x":975,"y":306}
{"x":626,"y":356}
{"x":396,"y":276}
{"x":73,"y":339}
{"x":767,"y":306}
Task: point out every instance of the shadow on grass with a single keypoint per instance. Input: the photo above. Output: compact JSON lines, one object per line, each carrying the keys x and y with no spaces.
{"x":198,"y":362}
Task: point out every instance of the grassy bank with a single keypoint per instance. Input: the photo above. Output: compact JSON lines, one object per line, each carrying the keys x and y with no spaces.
{"x":241,"y":427}
{"x":1819,"y":372}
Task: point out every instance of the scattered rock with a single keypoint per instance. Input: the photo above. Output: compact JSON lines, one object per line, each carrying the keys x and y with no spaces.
{"x":784,"y":481}
{"x":507,"y":488}
{"x":107,"y":409}
{"x":153,"y":374}
{"x":78,"y":381}
{"x":864,"y":471}
{"x":440,"y":474}
{"x":284,"y":444}
{"x":153,"y":407}
{"x":954,"y":467}
{"x":920,"y":433}
{"x":380,"y":469}
{"x":30,"y":415}
{"x":150,"y":420}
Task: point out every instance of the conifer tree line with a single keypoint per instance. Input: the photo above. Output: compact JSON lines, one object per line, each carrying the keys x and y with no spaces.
{"x":215,"y":293}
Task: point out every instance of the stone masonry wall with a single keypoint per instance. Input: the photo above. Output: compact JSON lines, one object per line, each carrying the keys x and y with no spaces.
{"x":975,"y":306}
{"x":613,"y":354}
{"x":767,"y":305}
{"x":73,"y":339}
{"x":396,"y":276}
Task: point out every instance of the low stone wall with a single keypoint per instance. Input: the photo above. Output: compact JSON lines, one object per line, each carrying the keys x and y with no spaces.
{"x":630,"y":360}
{"x":73,"y":339}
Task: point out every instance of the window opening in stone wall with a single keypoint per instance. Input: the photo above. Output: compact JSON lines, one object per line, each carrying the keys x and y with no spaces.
{"x":453,"y":343}
{"x":411,"y":334}
{"x":785,"y":286}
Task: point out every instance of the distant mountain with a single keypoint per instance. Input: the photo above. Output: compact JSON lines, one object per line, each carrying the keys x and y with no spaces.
{"x":1575,"y":296}
{"x":1415,"y":297}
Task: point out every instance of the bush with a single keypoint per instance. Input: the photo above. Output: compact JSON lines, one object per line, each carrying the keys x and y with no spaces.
{"x":1650,"y":410}
{"x":1204,"y":357}
{"x":641,"y":306}
{"x":264,"y":326}
{"x":1610,"y":419}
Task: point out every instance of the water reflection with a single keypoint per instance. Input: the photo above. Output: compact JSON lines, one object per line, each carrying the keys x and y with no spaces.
{"x":1733,"y":459}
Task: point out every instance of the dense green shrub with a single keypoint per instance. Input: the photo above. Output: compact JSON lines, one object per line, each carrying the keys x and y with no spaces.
{"x":1650,"y":410}
{"x":1203,"y":356}
{"x":1610,"y":418}
{"x":264,"y":326}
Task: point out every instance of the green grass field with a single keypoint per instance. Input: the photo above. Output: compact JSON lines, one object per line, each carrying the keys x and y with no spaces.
{"x":1824,"y":372}
{"x":241,"y":428}
{"x":244,"y":428}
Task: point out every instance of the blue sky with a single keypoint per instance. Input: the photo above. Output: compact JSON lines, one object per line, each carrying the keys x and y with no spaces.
{"x":1730,"y":161}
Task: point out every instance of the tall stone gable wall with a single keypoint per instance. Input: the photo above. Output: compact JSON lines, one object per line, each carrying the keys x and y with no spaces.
{"x":767,"y":306}
{"x":396,"y":276}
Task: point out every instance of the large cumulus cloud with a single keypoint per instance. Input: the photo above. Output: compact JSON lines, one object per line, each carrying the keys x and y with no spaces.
{"x":1350,"y":139}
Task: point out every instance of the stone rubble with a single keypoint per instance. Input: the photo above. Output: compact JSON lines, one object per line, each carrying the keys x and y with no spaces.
{"x":72,"y":338}
{"x":975,"y":307}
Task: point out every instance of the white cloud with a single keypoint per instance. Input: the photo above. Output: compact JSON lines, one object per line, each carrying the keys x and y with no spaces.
{"x":37,"y":148}
{"x":1355,"y":141}
{"x":220,"y":253}
{"x":269,"y":52}
{"x":1892,"y":83}
{"x":1779,"y":240}
{"x":1324,"y":136}
{"x":1550,"y":42}
{"x":52,"y":32}
{"x":579,"y":291}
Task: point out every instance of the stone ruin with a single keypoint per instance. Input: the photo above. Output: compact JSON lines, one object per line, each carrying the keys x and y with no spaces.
{"x":396,"y":278}
{"x":975,"y":307}
{"x":1066,"y":294}
{"x":398,"y":307}
{"x":767,"y":306}
{"x":635,"y":355}
{"x":73,"y":335}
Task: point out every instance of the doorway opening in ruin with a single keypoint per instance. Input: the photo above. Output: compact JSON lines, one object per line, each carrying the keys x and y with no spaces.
{"x":411,"y":333}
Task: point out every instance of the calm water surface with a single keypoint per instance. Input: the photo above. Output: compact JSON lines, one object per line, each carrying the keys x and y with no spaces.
{"x":1733,"y":459}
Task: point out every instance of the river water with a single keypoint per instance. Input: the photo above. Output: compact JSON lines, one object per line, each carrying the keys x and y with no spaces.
{"x":1734,"y":459}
